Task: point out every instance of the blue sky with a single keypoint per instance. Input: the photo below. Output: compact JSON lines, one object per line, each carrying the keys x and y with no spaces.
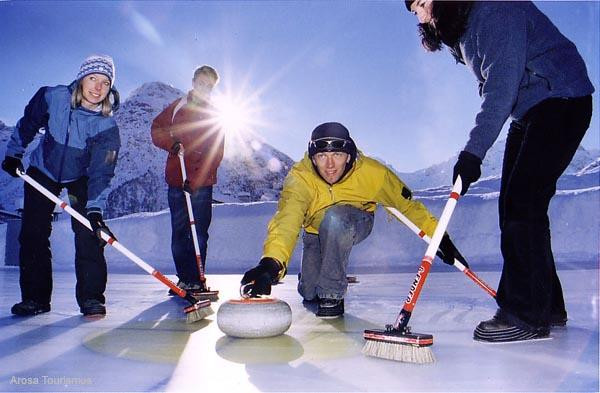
{"x":302,"y":62}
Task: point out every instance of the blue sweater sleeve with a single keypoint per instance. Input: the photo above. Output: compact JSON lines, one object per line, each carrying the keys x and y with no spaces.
{"x":34,"y":117}
{"x":500,"y":41}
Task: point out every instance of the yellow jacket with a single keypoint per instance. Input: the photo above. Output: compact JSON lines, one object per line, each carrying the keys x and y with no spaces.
{"x":306,"y":197}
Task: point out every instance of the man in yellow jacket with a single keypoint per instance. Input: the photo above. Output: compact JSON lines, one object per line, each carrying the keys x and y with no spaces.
{"x":332,"y":194}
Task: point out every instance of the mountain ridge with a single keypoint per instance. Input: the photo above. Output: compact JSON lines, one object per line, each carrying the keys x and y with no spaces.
{"x":251,"y":170}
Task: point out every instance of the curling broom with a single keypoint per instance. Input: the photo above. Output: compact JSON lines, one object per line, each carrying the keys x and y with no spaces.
{"x":467,"y":271}
{"x":205,"y":292}
{"x":397,"y":342}
{"x":196,"y":311}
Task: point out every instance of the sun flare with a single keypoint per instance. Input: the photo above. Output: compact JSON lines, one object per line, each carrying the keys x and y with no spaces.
{"x":233,"y":115}
{"x":240,"y":118}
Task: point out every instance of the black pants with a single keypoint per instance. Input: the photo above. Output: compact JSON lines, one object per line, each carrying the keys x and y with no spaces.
{"x":35,"y":254}
{"x":539,"y":148}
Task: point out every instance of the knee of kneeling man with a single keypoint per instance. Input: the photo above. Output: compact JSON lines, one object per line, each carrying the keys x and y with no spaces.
{"x":335,"y":218}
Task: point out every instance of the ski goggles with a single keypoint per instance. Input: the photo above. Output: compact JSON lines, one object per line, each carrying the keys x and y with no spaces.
{"x":329,"y":144}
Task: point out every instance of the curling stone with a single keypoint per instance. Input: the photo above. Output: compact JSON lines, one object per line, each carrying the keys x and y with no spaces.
{"x":254,"y":317}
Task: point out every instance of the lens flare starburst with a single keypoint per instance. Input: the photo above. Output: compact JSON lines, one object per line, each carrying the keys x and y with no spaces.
{"x":239,"y":116}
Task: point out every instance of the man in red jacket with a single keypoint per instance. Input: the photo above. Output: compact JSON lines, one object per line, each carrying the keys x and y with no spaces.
{"x":190,"y":123}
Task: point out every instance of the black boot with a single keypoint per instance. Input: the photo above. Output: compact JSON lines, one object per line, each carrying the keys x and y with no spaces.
{"x":93,"y":307}
{"x":500,"y":329}
{"x":330,"y":308}
{"x":29,"y":307}
{"x":558,"y":320}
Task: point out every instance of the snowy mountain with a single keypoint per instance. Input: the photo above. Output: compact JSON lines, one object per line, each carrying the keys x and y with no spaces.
{"x":251,"y":170}
{"x":11,"y":195}
{"x":491,"y":169}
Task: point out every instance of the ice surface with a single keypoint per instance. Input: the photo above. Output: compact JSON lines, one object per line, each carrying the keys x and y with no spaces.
{"x":144,"y":344}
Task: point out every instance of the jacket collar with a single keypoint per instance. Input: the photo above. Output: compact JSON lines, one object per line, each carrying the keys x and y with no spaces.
{"x":193,"y":100}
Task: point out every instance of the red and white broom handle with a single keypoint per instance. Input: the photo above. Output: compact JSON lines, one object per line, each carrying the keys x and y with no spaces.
{"x":110,"y":240}
{"x":436,"y":239}
{"x":188,"y":201}
{"x":468,"y":272}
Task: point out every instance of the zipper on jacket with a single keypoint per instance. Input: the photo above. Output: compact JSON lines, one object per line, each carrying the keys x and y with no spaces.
{"x":331,"y":193}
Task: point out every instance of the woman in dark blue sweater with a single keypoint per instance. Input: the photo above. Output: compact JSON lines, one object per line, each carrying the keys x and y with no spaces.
{"x":528,"y":71}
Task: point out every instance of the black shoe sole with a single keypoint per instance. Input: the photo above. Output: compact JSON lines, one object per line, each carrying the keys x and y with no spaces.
{"x":513,"y":334}
{"x":330,"y":316}
{"x":93,"y":314}
{"x":93,"y":311}
{"x":26,"y":313}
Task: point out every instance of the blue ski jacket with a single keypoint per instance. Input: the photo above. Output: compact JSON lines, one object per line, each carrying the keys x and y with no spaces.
{"x":519,"y":59}
{"x":76,"y":142}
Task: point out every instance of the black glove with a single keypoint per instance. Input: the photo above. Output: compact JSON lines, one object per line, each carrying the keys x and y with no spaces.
{"x":187,"y":188}
{"x":176,"y":148}
{"x":262,"y":277}
{"x":448,"y":252}
{"x":98,"y":226}
{"x":468,"y":167}
{"x":11,"y":164}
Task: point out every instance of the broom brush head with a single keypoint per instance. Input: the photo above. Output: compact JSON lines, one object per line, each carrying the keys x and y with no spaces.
{"x":198,"y":310}
{"x":206,"y":293}
{"x":399,"y":344}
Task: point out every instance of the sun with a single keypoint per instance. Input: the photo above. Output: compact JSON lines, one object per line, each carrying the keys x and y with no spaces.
{"x":233,"y":114}
{"x":240,"y":117}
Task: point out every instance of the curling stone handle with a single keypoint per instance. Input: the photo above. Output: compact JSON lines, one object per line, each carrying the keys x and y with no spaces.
{"x":245,"y":289}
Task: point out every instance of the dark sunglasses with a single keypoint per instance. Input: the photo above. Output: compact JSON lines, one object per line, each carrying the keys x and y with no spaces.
{"x":327,"y":144}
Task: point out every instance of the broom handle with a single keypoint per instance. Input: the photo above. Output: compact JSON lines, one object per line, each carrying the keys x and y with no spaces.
{"x":468,"y":272}
{"x":188,"y":202}
{"x":419,"y":281}
{"x":110,"y":240}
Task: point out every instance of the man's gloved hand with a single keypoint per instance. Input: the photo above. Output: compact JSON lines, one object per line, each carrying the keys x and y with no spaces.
{"x":261,"y":277}
{"x":11,"y":164}
{"x":187,"y":187}
{"x":176,"y":148}
{"x":448,"y":252}
{"x":98,"y":226}
{"x":468,"y":167}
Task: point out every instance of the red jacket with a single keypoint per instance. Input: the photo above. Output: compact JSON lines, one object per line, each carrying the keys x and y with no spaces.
{"x":195,"y":126}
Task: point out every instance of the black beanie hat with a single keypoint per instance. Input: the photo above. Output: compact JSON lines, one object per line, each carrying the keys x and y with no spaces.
{"x":331,"y":131}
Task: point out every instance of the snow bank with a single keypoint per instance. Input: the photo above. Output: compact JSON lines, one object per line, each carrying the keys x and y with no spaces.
{"x":238,"y":231}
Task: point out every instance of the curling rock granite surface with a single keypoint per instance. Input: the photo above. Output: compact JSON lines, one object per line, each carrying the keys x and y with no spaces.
{"x":254,"y":318}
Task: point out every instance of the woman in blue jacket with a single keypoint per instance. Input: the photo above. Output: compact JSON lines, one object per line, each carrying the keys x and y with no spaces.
{"x":528,"y":71}
{"x":78,"y":151}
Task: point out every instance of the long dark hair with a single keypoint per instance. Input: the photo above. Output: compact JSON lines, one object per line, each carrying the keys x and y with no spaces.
{"x":449,"y":22}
